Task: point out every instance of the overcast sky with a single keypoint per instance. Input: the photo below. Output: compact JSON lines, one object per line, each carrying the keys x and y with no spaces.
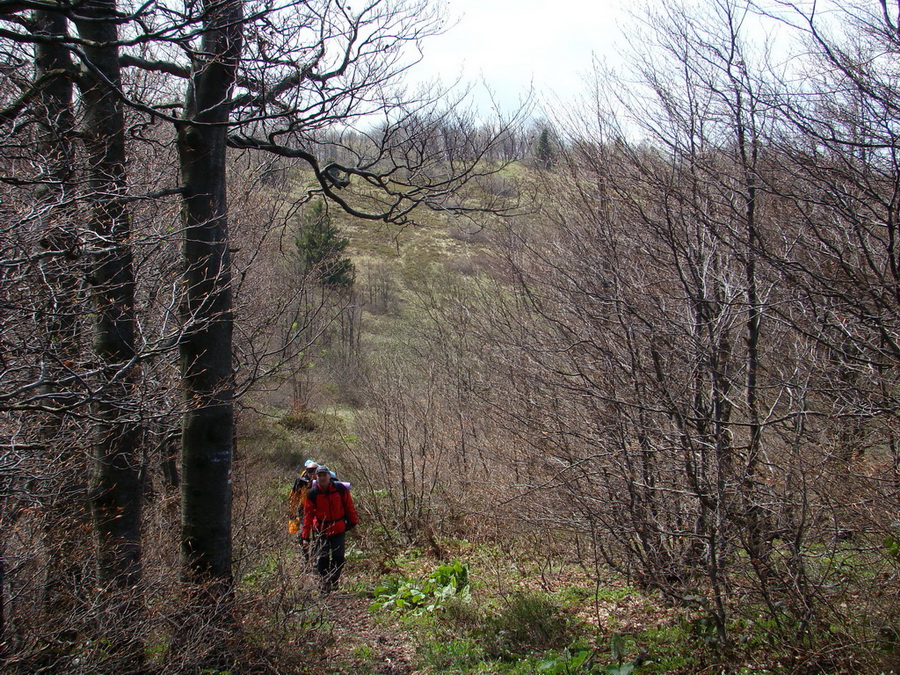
{"x":510,"y":44}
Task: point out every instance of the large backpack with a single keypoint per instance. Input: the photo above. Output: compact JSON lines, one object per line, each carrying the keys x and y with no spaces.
{"x":295,"y":503}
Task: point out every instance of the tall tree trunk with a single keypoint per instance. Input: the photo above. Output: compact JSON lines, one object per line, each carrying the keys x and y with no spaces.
{"x":2,"y":597}
{"x":116,"y":485}
{"x":59,"y":303}
{"x":206,"y":367}
{"x":56,"y":131}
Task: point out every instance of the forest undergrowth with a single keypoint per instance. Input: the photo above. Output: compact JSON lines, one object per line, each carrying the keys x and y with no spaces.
{"x":518,"y":600}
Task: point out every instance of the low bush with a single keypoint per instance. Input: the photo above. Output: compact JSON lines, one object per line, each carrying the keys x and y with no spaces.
{"x":300,"y":420}
{"x":530,"y":623}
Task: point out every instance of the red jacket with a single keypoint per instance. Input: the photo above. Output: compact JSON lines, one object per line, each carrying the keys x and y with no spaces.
{"x":328,"y":512}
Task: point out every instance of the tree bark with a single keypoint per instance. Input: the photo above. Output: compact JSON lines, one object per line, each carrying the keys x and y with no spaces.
{"x":206,"y":366}
{"x":116,"y":484}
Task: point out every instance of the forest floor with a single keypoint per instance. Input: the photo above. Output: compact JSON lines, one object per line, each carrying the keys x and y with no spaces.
{"x":524,"y":611}
{"x":365,"y":646}
{"x":350,"y":637}
{"x":338,"y":633}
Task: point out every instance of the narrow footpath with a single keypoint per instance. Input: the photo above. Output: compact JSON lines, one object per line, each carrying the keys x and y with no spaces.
{"x":366,"y":646}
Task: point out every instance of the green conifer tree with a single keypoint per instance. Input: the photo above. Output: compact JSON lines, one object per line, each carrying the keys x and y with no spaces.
{"x":544,"y":150}
{"x":320,"y":245}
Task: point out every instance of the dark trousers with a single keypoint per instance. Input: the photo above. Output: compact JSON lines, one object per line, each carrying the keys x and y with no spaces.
{"x":329,"y":556}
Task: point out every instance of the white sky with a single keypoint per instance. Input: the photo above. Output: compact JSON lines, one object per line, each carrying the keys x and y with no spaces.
{"x":510,"y":44}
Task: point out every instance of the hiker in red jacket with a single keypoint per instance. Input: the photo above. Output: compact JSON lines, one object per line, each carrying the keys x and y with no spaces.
{"x":328,"y":514}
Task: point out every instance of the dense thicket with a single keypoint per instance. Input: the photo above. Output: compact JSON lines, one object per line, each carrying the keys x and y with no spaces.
{"x":686,"y":357}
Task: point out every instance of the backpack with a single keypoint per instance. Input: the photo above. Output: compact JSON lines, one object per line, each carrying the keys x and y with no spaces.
{"x":295,"y":502}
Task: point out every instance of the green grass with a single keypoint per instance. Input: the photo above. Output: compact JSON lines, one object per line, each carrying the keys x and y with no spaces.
{"x":529,"y":623}
{"x":580,"y":594}
{"x":364,"y":654}
{"x":453,"y":655}
{"x":260,"y":576}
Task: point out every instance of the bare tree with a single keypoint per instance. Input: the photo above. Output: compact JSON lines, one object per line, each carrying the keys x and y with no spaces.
{"x":115,"y":493}
{"x":841,"y":146}
{"x":673,"y":345}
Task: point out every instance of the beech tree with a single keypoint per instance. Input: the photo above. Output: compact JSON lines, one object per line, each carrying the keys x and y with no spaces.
{"x":115,"y":493}
{"x":840,"y":144}
{"x":285,"y":89}
{"x":44,"y":104}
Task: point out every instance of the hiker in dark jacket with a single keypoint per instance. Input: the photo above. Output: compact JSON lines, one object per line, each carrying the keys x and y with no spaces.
{"x":327,"y":515}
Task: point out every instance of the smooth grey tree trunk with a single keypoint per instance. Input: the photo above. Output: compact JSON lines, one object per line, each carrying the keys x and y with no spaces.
{"x":60,"y":301}
{"x":116,"y":485}
{"x":206,"y":360}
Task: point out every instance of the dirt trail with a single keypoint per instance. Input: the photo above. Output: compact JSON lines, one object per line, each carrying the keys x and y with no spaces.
{"x":367,"y":646}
